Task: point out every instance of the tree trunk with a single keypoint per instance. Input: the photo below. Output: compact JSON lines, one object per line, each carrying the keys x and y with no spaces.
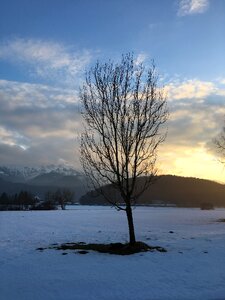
{"x":130,"y":224}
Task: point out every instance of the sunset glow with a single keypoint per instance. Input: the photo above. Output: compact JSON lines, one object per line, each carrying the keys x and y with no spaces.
{"x":45,"y":50}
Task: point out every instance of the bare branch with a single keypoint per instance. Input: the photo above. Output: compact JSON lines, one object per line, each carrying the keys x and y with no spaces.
{"x":123,"y":111}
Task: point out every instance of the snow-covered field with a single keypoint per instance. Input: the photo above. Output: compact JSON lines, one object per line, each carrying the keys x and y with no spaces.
{"x":193,"y":267}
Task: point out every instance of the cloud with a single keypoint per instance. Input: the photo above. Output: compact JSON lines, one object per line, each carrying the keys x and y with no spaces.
{"x":51,"y":151}
{"x":49,"y":60}
{"x":190,"y":89}
{"x":196,"y":111}
{"x":193,"y":124}
{"x":190,"y":7}
{"x":25,"y":95}
{"x":38,"y":124}
{"x":141,"y":57}
{"x":196,"y":117}
{"x":43,"y":108}
{"x":12,"y":138}
{"x":222,"y":81}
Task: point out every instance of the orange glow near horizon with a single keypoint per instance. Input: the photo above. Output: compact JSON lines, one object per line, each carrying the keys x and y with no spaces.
{"x":191,"y":162}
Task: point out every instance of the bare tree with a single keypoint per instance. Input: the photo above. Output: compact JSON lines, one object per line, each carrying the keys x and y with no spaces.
{"x":63,"y":197}
{"x":219,"y":142}
{"x":123,"y":110}
{"x":67,"y":197}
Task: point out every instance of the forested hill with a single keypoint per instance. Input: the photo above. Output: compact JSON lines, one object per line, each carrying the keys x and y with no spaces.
{"x":181,"y":191}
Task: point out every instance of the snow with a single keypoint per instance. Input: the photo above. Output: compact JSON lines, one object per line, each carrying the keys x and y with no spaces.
{"x":193,"y":267}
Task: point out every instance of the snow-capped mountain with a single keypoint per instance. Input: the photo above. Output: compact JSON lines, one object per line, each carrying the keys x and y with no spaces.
{"x":39,"y":180}
{"x":24,"y":174}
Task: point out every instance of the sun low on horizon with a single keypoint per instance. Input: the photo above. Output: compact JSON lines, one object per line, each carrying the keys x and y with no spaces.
{"x":196,"y":163}
{"x":46,"y":47}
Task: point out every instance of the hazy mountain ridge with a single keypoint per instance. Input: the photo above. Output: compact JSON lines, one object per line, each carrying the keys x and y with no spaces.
{"x":171,"y":189}
{"x":181,"y":191}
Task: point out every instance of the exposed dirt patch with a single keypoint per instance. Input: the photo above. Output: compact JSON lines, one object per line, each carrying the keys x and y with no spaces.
{"x":113,"y":248}
{"x":82,"y":252}
{"x":221,"y":220}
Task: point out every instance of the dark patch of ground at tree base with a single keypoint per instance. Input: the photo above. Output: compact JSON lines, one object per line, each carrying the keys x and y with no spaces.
{"x":112,"y":248}
{"x":221,"y":220}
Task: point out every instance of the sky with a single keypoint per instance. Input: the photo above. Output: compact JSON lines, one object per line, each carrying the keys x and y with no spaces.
{"x":46,"y":46}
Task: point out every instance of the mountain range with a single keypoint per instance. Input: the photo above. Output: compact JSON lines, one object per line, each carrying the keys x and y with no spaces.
{"x":39,"y":180}
{"x":170,"y":189}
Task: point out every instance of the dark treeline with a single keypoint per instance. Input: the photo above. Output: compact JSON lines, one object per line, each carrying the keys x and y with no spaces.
{"x":21,"y":201}
{"x":24,"y":200}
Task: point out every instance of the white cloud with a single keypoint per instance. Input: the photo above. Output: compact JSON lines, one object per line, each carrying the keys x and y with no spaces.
{"x":141,"y":57}
{"x":196,"y":116}
{"x":222,"y":81}
{"x":190,"y":7}
{"x":13,"y":138}
{"x":49,"y":60}
{"x":15,"y":94}
{"x":190,"y":89}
